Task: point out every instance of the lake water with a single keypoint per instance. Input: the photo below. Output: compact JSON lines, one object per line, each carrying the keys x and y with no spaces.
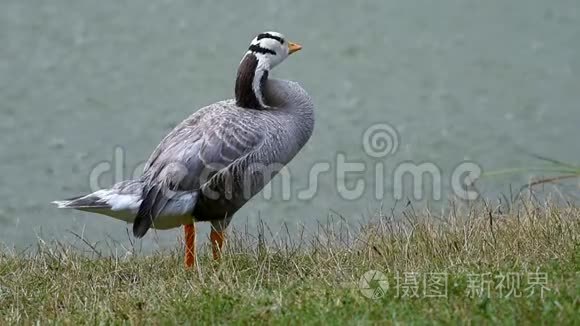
{"x":89,"y":83}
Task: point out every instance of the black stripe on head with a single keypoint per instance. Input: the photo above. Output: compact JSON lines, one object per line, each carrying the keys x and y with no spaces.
{"x":258,"y":49}
{"x":268,"y":35}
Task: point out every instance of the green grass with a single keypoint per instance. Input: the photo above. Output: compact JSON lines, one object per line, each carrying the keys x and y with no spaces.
{"x":316,"y":281}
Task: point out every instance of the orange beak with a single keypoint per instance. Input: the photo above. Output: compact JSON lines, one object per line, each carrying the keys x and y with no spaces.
{"x":293,"y":47}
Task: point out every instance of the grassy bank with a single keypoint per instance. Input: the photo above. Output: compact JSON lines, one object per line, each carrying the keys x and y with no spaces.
{"x":467,"y":264}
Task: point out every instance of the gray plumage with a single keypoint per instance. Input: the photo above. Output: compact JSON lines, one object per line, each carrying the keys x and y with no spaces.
{"x":226,"y":153}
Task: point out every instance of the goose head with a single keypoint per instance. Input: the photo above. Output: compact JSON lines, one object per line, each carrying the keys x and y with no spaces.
{"x":266,"y":51}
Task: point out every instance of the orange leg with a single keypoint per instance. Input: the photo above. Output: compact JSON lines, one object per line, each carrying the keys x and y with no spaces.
{"x":217,"y":243}
{"x":189,"y":244}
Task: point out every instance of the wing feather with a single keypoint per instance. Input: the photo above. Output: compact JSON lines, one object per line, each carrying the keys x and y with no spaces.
{"x":209,"y":141}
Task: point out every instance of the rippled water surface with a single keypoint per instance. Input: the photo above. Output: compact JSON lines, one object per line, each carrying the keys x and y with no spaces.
{"x":87,"y":82}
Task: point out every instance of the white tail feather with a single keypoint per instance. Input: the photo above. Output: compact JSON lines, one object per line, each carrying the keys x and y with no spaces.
{"x":123,"y":205}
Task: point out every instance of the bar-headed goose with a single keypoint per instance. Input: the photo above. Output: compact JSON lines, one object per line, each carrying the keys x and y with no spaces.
{"x":213,"y":162}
